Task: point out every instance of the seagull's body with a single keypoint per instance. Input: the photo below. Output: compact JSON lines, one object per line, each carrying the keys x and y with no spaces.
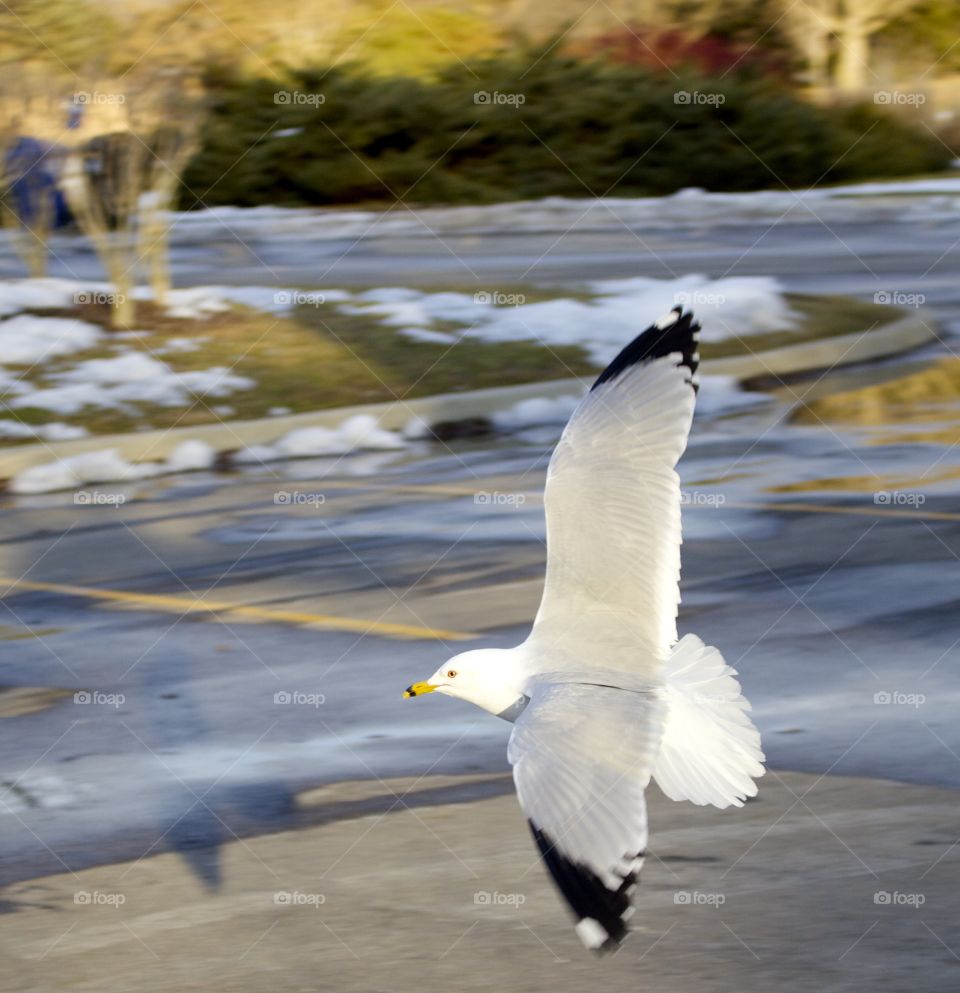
{"x":601,"y":694}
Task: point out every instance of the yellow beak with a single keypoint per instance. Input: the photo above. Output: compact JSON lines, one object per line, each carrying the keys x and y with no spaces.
{"x":418,"y":689}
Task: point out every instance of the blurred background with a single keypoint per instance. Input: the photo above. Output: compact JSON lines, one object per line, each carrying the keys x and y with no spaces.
{"x":295,"y":300}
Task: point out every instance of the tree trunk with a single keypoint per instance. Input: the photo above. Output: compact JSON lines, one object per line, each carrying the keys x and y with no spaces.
{"x":124,"y":311}
{"x":817,"y":52}
{"x":853,"y":57}
{"x":154,"y":248}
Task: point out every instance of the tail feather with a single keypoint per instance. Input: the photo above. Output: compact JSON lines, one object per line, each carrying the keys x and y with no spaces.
{"x":710,"y":751}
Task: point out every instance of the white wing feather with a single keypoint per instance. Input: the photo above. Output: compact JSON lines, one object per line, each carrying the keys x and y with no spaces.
{"x":582,"y":757}
{"x":613,"y":524}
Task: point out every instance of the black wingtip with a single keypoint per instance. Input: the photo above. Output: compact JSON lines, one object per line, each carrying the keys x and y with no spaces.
{"x":676,"y":333}
{"x":597,"y":907}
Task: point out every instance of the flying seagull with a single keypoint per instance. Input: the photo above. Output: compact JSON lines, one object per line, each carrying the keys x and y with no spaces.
{"x":602,"y":695}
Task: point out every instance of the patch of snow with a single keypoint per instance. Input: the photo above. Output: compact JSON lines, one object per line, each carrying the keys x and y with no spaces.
{"x":108,"y":466}
{"x":358,"y":433}
{"x":61,"y":432}
{"x":17,"y":295}
{"x":14,"y":429}
{"x":416,"y":428}
{"x":255,"y":454}
{"x":179,"y":345}
{"x":727,"y":308}
{"x":27,"y":340}
{"x":536,"y":411}
{"x":189,"y":456}
{"x":131,"y":377}
{"x":137,"y":367}
{"x":218,"y":381}
{"x":733,"y":307}
{"x":899,"y":200}
{"x":279,"y":411}
{"x":363,"y":431}
{"x":195,"y":303}
{"x":104,"y":466}
{"x":405,"y":307}
{"x":305,"y":442}
{"x":41,"y":432}
{"x":190,"y":303}
{"x":431,"y":337}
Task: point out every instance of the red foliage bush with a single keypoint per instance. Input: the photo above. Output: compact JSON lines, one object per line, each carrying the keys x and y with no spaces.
{"x":711,"y":55}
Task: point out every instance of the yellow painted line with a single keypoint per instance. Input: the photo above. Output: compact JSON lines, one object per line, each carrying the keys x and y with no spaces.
{"x":200,"y":606}
{"x":386,"y":628}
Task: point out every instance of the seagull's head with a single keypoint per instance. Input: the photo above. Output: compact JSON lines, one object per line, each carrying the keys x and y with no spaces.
{"x":483,"y":677}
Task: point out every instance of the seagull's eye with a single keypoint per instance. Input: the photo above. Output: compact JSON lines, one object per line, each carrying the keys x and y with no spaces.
{"x":451,"y":673}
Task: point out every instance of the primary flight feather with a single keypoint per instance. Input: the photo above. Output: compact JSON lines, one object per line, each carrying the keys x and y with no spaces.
{"x":602,"y":695}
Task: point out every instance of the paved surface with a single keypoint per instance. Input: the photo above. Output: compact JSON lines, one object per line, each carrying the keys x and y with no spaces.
{"x":823,"y":883}
{"x":236,"y":652}
{"x":248,"y":648}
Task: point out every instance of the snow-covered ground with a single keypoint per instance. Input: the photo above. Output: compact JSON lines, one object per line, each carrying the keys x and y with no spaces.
{"x":108,"y":465}
{"x":601,"y":318}
{"x":603,"y":324}
{"x":921,"y":200}
{"x":128,"y":377}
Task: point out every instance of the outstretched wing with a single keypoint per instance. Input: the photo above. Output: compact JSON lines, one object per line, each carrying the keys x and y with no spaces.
{"x":613,"y":508}
{"x":582,"y":756}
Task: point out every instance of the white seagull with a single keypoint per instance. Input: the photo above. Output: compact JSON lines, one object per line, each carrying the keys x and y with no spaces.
{"x":602,"y":696}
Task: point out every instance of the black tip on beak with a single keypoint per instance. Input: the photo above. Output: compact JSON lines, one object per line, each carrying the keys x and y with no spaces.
{"x":418,"y":689}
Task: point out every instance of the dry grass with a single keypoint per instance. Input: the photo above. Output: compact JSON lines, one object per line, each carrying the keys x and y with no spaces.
{"x":320,"y":357}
